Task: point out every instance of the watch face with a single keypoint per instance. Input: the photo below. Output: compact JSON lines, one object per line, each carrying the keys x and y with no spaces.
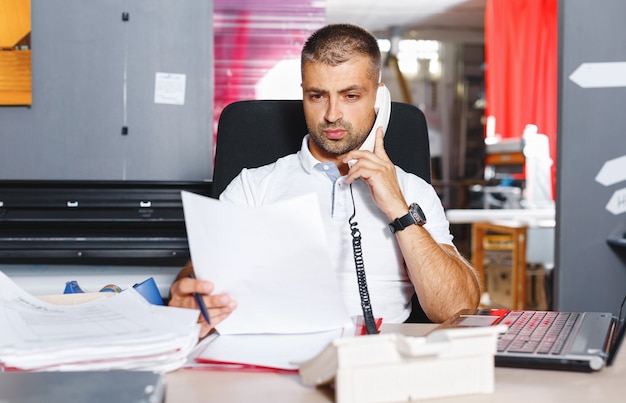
{"x":417,"y":213}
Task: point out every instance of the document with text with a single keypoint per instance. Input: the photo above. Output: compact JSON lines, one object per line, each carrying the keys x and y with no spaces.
{"x":273,"y":260}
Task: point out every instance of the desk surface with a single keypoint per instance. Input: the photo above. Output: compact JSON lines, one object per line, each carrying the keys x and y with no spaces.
{"x":510,"y":217}
{"x":511,"y":385}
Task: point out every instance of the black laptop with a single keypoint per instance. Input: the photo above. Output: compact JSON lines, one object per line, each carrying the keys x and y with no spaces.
{"x":578,"y":341}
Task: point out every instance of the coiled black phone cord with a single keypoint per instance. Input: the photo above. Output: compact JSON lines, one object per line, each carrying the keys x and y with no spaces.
{"x":368,"y":315}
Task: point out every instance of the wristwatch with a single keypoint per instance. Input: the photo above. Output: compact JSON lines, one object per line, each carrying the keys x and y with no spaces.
{"x":414,"y":216}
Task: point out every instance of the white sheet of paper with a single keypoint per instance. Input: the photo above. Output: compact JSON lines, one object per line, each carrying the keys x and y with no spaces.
{"x":281,"y":351}
{"x":273,"y":260}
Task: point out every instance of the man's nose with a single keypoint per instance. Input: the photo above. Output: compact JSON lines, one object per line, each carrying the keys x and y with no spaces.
{"x":333,"y":111}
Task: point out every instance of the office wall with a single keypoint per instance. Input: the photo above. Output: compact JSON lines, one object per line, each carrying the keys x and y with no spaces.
{"x":590,"y":274}
{"x":94,"y":74}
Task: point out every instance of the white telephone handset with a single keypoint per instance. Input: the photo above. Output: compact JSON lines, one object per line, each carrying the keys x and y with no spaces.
{"x":382,"y":108}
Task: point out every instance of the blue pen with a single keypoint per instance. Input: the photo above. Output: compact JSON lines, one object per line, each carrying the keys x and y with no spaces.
{"x":200,"y":301}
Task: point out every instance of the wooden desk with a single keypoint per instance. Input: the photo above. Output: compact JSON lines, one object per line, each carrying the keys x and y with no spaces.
{"x":511,"y":385}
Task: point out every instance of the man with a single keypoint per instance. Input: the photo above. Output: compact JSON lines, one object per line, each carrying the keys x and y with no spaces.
{"x":341,"y":66}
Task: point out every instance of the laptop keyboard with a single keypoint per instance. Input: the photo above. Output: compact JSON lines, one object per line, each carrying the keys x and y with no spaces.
{"x":540,"y":332}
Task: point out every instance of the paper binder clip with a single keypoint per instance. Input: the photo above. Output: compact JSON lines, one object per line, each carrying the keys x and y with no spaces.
{"x":72,"y":287}
{"x":149,"y":290}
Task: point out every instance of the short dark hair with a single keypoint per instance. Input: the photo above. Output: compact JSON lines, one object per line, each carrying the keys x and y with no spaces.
{"x":335,"y":44}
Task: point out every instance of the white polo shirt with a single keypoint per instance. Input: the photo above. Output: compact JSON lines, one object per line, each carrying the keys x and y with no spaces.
{"x":298,"y":174}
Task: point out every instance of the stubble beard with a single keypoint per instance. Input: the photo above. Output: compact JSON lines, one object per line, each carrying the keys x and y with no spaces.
{"x":351,"y":141}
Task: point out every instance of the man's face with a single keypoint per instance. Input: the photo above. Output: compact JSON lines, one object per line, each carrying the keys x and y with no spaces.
{"x":338,"y":106}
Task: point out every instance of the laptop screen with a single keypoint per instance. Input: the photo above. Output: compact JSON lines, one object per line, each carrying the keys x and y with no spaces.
{"x":618,"y":334}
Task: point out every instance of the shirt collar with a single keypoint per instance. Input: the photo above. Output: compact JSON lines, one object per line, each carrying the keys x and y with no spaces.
{"x":310,"y":163}
{"x":307,"y":159}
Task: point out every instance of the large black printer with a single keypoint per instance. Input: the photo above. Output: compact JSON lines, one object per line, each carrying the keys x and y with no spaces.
{"x":91,"y":222}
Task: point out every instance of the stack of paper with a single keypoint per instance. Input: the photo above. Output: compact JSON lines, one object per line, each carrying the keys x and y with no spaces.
{"x":119,"y":332}
{"x":274,"y":261}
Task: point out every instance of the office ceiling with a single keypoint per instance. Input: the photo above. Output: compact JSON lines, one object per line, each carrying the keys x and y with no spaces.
{"x":454,"y":20}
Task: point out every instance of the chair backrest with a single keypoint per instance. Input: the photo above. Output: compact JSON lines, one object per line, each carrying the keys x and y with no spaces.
{"x":255,"y":133}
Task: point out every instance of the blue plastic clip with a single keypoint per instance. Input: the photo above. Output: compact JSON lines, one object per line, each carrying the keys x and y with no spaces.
{"x":149,"y":290}
{"x":72,"y":287}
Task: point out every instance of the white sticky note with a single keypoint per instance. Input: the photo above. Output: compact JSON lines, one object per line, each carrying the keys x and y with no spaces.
{"x":169,"y":88}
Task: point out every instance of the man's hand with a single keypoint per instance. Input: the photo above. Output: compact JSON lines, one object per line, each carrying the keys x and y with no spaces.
{"x":219,"y":306}
{"x":377,"y":170}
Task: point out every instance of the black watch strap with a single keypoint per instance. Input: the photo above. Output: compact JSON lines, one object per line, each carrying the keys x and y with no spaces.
{"x":414,"y":216}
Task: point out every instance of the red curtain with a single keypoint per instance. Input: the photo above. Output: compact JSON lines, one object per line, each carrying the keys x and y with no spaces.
{"x":521,"y":67}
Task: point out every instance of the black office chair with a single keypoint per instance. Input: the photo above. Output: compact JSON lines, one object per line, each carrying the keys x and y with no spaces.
{"x":255,"y":133}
